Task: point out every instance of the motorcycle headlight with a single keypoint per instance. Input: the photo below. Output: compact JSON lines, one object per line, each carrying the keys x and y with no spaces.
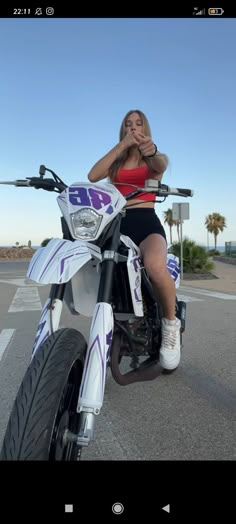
{"x":85,"y":223}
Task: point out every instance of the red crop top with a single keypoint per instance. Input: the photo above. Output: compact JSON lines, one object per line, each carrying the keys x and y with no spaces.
{"x":136,"y":176}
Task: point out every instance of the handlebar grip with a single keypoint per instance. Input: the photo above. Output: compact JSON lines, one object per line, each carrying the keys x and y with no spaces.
{"x":187,"y":192}
{"x":22,"y":183}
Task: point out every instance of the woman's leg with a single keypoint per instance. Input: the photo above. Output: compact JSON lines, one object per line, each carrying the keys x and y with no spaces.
{"x":154,"y":255}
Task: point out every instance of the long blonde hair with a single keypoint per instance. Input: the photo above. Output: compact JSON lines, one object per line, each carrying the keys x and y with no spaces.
{"x":118,"y":163}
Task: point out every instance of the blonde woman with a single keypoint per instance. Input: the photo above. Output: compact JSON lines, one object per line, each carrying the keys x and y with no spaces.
{"x":132,"y":161}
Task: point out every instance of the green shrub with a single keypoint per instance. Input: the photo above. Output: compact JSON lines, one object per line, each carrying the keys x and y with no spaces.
{"x":195,"y":257}
{"x":214,"y":252}
{"x":45,"y":242}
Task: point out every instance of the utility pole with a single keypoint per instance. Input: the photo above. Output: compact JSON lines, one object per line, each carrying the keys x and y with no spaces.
{"x":181,"y":245}
{"x":181,"y":212}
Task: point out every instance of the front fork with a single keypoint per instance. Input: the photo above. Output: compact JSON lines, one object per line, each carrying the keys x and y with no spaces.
{"x":99,"y":346}
{"x":92,"y":386}
{"x":94,"y":374}
{"x":50,"y":316}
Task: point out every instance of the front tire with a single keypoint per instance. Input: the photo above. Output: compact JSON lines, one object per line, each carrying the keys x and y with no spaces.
{"x":46,"y":402}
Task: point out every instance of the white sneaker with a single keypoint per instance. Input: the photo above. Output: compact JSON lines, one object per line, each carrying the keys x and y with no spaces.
{"x":170,"y":345}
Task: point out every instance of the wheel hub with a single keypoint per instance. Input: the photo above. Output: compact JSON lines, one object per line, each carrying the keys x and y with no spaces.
{"x":62,"y":427}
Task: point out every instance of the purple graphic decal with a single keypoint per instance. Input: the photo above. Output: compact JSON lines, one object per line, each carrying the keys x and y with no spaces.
{"x":109,"y":343}
{"x":63,"y":263}
{"x":36,"y":258}
{"x":45,"y":310}
{"x":137,"y":288}
{"x":109,"y":210}
{"x":41,"y":324}
{"x":136,"y":261}
{"x":96,"y":340}
{"x":95,"y":318}
{"x":40,"y":330}
{"x":69,"y":256}
{"x":44,"y":338}
{"x":99,"y":198}
{"x":173,"y":268}
{"x":58,"y":249}
{"x":79,"y":196}
{"x":136,"y":296}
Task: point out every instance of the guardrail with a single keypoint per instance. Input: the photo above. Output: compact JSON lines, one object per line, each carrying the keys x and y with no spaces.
{"x":226,"y":260}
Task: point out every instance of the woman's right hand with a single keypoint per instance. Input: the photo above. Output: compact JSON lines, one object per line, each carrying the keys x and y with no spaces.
{"x":129,"y":140}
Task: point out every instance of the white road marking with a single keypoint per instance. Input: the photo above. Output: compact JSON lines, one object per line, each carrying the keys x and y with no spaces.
{"x":206,"y":292}
{"x":25,"y":299}
{"x":8,"y":274}
{"x":5,"y":337}
{"x":21,"y":282}
{"x":186,"y":298}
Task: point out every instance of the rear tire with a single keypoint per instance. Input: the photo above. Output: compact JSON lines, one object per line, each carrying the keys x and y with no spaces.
{"x":46,"y":402}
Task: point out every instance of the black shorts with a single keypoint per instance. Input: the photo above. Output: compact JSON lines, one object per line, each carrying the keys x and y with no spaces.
{"x":139,"y":223}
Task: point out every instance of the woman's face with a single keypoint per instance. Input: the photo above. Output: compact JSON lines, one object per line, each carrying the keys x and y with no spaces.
{"x":133,"y":124}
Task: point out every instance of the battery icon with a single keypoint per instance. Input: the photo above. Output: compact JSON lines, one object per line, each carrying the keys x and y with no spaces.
{"x":214,"y":11}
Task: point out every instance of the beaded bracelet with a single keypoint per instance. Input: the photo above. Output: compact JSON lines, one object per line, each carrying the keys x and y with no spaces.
{"x":154,"y":154}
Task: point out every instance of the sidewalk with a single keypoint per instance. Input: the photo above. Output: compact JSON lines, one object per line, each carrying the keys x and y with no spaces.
{"x":225,"y":283}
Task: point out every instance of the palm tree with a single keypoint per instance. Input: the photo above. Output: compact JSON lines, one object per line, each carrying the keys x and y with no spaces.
{"x":168,"y":219}
{"x":214,"y":224}
{"x":177,"y":223}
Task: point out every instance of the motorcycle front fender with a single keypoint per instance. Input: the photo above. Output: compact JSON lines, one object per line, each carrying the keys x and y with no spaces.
{"x":58,"y":262}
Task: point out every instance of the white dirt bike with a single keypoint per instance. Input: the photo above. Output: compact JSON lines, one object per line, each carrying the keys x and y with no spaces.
{"x":97,"y":272}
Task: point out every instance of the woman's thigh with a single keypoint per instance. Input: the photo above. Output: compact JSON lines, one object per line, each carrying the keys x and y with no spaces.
{"x":139,"y":224}
{"x":154,"y":254}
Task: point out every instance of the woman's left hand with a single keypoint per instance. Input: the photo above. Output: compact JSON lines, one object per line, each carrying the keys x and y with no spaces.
{"x":146,"y":145}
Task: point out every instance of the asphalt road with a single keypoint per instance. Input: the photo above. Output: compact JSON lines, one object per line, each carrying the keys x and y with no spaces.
{"x":189,"y":415}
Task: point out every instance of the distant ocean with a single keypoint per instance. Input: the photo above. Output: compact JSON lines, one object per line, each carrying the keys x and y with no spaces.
{"x":219,"y":248}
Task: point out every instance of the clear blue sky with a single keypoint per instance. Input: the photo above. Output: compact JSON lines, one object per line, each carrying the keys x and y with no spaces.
{"x":66,"y":85}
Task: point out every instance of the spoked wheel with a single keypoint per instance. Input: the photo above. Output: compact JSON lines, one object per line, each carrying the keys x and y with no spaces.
{"x":46,"y":403}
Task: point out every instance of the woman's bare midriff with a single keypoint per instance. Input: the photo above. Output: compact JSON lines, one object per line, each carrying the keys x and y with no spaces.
{"x":137,"y":203}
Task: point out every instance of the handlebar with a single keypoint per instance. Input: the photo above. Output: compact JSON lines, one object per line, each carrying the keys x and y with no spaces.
{"x":160,"y":190}
{"x":39,"y":183}
{"x":176,"y":191}
{"x":17,"y":183}
{"x":57,"y":185}
{"x":48,"y":184}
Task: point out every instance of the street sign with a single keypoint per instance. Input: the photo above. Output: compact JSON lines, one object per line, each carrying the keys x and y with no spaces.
{"x":180,"y":211}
